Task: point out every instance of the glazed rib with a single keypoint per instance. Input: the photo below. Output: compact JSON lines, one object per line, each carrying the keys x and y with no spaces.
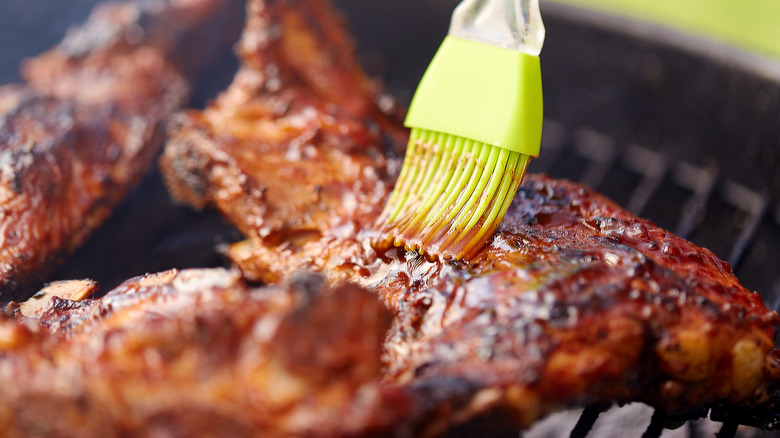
{"x":574,"y":301}
{"x":199,"y":353}
{"x":87,"y":124}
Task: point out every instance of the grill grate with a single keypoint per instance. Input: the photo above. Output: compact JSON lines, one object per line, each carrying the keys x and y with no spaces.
{"x":656,"y":426}
{"x":693,"y":200}
{"x":587,"y":420}
{"x":649,"y":183}
{"x":640,"y":420}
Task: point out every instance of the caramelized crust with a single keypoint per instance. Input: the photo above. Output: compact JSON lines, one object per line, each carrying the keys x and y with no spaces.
{"x":85,"y":127}
{"x":576,"y":301}
{"x":198,"y":353}
{"x":573,"y":301}
{"x":301,"y":143}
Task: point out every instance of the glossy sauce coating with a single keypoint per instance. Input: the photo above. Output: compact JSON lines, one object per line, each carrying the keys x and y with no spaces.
{"x":573,"y":301}
{"x":200,"y":353}
{"x":78,"y":135}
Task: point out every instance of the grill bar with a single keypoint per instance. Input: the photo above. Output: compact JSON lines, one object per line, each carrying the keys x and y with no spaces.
{"x":586,"y":421}
{"x":653,"y":167}
{"x":702,"y":183}
{"x":693,"y":430}
{"x":599,"y":150}
{"x":729,"y":430}
{"x":755,"y":204}
{"x":656,"y":426}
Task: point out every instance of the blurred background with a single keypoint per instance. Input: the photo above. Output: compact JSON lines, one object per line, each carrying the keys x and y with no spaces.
{"x":28,"y":27}
{"x":749,"y":24}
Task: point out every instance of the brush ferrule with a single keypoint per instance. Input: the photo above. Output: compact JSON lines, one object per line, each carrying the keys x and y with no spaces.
{"x":511,"y":24}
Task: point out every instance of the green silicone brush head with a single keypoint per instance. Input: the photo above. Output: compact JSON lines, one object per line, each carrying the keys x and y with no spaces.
{"x":481,"y":92}
{"x":451,"y":195}
{"x":476,"y":121}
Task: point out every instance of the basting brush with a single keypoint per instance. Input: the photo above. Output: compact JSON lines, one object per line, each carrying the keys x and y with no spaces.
{"x":476,"y":121}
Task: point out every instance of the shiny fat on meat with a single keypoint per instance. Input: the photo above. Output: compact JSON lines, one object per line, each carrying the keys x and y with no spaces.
{"x":573,"y":301}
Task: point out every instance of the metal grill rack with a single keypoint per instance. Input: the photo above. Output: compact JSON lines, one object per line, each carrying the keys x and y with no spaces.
{"x":737,"y":222}
{"x":638,"y":420}
{"x":679,"y":196}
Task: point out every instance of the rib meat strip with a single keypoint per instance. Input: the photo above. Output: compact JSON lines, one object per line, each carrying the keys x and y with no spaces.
{"x":199,"y":353}
{"x":574,"y":300}
{"x":85,"y":126}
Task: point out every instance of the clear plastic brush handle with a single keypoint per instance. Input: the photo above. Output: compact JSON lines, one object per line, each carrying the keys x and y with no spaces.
{"x":511,"y":24}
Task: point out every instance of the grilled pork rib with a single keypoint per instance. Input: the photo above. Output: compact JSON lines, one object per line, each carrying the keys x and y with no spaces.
{"x":199,"y":353}
{"x":87,"y":124}
{"x":574,"y":301}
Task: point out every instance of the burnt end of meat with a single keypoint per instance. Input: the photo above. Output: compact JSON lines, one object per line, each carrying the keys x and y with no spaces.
{"x":199,"y":353}
{"x":78,"y":136}
{"x":187,"y":176}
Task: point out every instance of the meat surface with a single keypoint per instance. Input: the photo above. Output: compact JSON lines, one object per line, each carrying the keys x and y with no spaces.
{"x":574,"y":301}
{"x":200,"y":353}
{"x":78,"y":135}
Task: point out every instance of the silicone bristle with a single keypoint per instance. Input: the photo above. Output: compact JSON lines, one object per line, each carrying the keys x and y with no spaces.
{"x":450,"y":196}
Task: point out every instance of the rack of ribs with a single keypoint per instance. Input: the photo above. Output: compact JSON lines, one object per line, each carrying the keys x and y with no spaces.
{"x":88,"y":122}
{"x":200,"y":353}
{"x":573,"y":302}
